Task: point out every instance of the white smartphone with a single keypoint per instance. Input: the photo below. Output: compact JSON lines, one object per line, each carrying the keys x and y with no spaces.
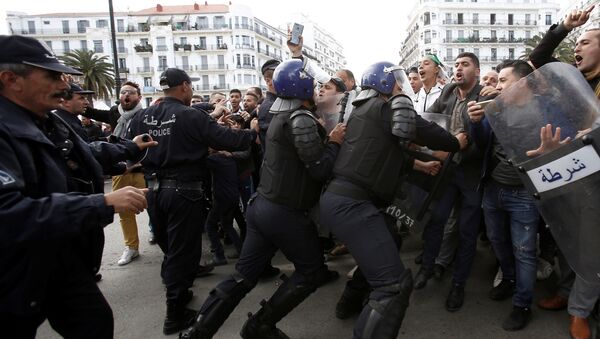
{"x":485,"y":103}
{"x":296,"y":33}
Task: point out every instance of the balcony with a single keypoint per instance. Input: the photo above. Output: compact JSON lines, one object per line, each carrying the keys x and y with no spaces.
{"x":245,"y":46}
{"x":182,"y":48}
{"x":161,"y":68}
{"x":162,"y":48}
{"x":221,"y":86}
{"x":245,"y":66}
{"x":210,"y":47}
{"x":211,"y":67}
{"x":203,"y":87}
{"x":143,"y":48}
{"x":98,"y":49}
{"x":124,"y":69}
{"x":145,"y":69}
{"x":470,"y":40}
{"x":243,"y":26}
{"x":122,"y":50}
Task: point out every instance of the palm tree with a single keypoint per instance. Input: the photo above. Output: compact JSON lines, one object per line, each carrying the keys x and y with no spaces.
{"x":98,"y":74}
{"x":564,"y":51}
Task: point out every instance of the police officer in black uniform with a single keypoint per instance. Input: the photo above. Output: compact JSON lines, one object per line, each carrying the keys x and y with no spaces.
{"x":175,"y":171}
{"x":367,"y":174}
{"x":52,"y":205}
{"x":298,"y":160}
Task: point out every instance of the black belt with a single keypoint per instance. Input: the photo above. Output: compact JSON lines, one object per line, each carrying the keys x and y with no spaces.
{"x":174,"y":184}
{"x":348,"y":190}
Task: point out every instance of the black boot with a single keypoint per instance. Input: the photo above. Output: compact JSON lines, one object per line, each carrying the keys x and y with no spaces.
{"x":262,"y":324}
{"x":351,"y":302}
{"x":178,"y":318}
{"x":217,"y":308}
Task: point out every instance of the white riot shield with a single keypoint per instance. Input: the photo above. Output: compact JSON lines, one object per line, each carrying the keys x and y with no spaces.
{"x":329,"y":109}
{"x":565,"y":182}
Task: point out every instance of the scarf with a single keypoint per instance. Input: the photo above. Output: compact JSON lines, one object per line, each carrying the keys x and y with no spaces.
{"x":124,"y":119}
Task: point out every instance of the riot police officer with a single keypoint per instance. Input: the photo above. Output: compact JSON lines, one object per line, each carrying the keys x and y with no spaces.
{"x":367,"y":175}
{"x":299,"y":158}
{"x":175,"y":170}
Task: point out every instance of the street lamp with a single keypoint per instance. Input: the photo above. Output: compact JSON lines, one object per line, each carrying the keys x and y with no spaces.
{"x":114,"y":48}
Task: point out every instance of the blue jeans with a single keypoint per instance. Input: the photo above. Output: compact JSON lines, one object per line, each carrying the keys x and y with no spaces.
{"x":511,"y":218}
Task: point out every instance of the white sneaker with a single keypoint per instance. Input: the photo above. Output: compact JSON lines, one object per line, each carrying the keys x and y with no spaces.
{"x":544,"y":269}
{"x":128,"y":255}
{"x":498,"y":278}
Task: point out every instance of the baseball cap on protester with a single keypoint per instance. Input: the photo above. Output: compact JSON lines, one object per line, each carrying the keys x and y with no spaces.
{"x":173,"y":77}
{"x":18,"y":49}
{"x":269,"y":64}
{"x":76,"y":89}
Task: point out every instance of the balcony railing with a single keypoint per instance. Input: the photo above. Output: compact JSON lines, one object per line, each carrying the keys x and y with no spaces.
{"x":145,"y":69}
{"x":182,"y":47}
{"x":245,"y":66}
{"x":245,"y":46}
{"x":124,"y":69}
{"x":162,"y":48}
{"x":143,"y":48}
{"x":98,"y":49}
{"x":210,"y":47}
{"x":211,"y":67}
{"x":485,"y":40}
{"x":161,"y":68}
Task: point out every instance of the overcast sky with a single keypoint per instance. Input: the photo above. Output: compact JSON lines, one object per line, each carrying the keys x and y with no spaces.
{"x":369,"y":30}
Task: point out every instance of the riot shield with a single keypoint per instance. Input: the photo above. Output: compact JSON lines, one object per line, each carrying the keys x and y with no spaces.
{"x":329,"y":109}
{"x":565,"y":182}
{"x":412,"y":207}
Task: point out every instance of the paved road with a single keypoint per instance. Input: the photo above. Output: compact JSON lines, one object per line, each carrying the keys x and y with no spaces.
{"x":137,"y":299}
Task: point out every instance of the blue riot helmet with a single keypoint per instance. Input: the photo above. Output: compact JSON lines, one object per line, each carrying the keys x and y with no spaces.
{"x":379,"y":78}
{"x":291,"y":81}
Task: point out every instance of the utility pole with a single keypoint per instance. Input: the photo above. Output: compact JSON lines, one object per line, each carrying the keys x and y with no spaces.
{"x":114,"y":49}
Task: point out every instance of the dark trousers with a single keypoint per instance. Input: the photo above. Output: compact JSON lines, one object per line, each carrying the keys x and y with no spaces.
{"x":223,"y":211}
{"x":469,"y":216}
{"x":176,"y":216}
{"x":75,"y":308}
{"x":273,"y":226}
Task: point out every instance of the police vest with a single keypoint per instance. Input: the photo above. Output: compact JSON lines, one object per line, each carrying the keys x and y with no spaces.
{"x":371,"y":156}
{"x":284,"y":178}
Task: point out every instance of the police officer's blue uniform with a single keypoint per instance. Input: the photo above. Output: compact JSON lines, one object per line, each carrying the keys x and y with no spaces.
{"x":367,"y":175}
{"x":296,"y":164}
{"x":175,"y":170}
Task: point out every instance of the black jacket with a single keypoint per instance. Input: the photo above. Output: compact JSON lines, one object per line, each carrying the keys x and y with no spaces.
{"x":42,"y":220}
{"x":110,"y":116}
{"x":471,"y":157}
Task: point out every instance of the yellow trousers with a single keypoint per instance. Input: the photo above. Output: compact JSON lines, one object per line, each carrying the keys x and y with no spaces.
{"x":128,"y":223}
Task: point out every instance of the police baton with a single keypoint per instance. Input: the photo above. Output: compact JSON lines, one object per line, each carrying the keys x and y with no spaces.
{"x":436,"y":186}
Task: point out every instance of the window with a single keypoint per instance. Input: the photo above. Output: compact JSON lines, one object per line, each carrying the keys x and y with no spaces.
{"x":475,"y":18}
{"x":204,"y":62}
{"x":476,"y":51}
{"x":510,"y":19}
{"x":65,"y":26}
{"x":511,"y":35}
{"x":46,"y":22}
{"x":120,"y":25}
{"x":511,"y":53}
{"x":476,"y":35}
{"x":222,"y":81}
{"x":246,"y":60}
{"x":527,"y":34}
{"x":247,"y":79}
{"x":31,"y":27}
{"x":98,"y":48}
{"x":183,"y":41}
{"x":245,"y":22}
{"x":239,"y":79}
{"x":144,"y":41}
{"x":492,"y":19}
{"x":448,"y":18}
{"x":527,"y":19}
{"x":548,"y":19}
{"x":121,"y":46}
{"x":83,"y":45}
{"x":219,"y":22}
{"x":494,"y":54}
{"x":449,"y":54}
{"x":426,"y":19}
{"x":146,"y":62}
{"x":461,"y":50}
{"x":205,"y":81}
{"x":66,"y":47}
{"x":123,"y":64}
{"x":185,"y":62}
{"x":101,"y":23}
{"x":461,"y":34}
{"x":201,"y":22}
{"x":161,"y":43}
{"x":221,"y":61}
{"x":448,"y":36}
{"x":162,"y":63}
{"x":82,"y":25}
{"x":427,"y":37}
{"x":493,"y":35}
{"x":220,"y":42}
{"x":460,"y":18}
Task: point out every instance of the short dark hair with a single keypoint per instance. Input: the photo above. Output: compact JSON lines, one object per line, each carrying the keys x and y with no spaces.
{"x":235,"y":90}
{"x":469,"y":55}
{"x":252,"y":95}
{"x":237,"y":119}
{"x":520,"y":67}
{"x":19,"y":69}
{"x":413,"y":70}
{"x":134,"y":85}
{"x":257,"y":90}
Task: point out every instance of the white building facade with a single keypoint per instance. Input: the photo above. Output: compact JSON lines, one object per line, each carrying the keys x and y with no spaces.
{"x":223,"y":45}
{"x":494,"y":30}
